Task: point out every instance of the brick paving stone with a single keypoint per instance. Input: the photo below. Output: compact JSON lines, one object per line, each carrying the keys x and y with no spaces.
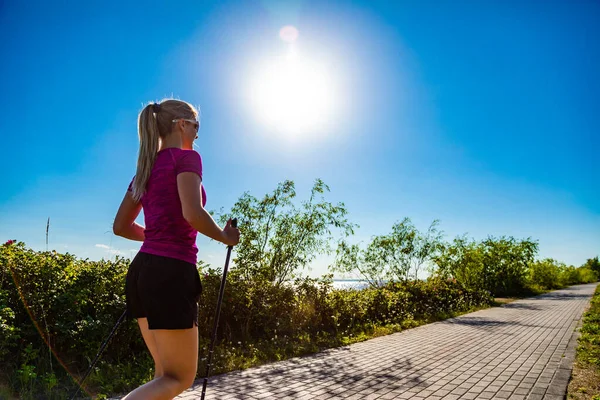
{"x":535,"y":397}
{"x":459,"y":391}
{"x":494,"y":388}
{"x":479,"y":387}
{"x":553,"y":397}
{"x":510,"y":386}
{"x":428,"y":392}
{"x":538,"y":390}
{"x":264,"y":395}
{"x":522,"y":349}
{"x":442,"y":392}
{"x":521,"y":391}
{"x":451,"y":397}
{"x":503,"y":394}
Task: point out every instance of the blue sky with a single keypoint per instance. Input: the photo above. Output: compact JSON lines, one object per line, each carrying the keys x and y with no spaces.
{"x":484,"y":115}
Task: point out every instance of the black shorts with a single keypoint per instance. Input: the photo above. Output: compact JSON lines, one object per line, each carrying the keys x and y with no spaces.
{"x":164,"y":290}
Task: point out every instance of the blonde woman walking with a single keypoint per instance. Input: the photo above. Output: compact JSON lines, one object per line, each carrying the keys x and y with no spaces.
{"x":162,"y":285}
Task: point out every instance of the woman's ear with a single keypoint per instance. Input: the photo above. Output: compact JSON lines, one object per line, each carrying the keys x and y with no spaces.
{"x":180,"y":125}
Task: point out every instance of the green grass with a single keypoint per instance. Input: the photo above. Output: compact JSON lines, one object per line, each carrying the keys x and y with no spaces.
{"x":5,"y":393}
{"x":588,"y":351}
{"x":585,"y":380}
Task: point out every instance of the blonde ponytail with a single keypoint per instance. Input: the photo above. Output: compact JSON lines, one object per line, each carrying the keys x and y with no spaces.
{"x":149,"y":142}
{"x":156,"y":122}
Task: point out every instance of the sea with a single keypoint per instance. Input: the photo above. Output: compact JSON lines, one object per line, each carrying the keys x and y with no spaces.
{"x":350,"y":284}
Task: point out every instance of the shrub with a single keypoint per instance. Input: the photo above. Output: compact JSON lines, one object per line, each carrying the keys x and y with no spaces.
{"x":546,"y":274}
{"x":73,"y":304}
{"x":59,"y":308}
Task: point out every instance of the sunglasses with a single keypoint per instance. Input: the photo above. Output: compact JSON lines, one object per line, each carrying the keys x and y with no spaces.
{"x":191,"y":121}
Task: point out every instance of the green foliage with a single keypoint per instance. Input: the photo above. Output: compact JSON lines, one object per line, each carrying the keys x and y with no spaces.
{"x":399,"y":255}
{"x":75,"y":303}
{"x":462,"y":260}
{"x":9,"y":333}
{"x":588,"y":351}
{"x":506,"y":263}
{"x":54,"y":307}
{"x":311,"y":309}
{"x":281,"y":238}
{"x":593,"y":264}
{"x":506,"y":267}
{"x":549,"y":274}
{"x":499,"y":265}
{"x":572,"y":276}
{"x":586,"y":275}
{"x":56,"y":310}
{"x":546,"y":274}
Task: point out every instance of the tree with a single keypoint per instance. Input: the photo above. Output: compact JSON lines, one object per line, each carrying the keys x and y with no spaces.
{"x":278,"y":238}
{"x":593,"y":264}
{"x":462,"y":260}
{"x":399,"y":255}
{"x":506,"y":263}
{"x":350,"y":258}
{"x":499,"y":265}
{"x":547,"y":273}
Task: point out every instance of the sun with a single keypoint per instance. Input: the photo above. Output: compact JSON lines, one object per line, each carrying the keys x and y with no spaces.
{"x":292,"y":94}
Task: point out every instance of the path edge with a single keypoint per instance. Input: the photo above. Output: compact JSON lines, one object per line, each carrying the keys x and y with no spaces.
{"x":557,"y":390}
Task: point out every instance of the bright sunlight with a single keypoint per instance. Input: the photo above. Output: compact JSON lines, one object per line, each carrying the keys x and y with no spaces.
{"x":292,"y":93}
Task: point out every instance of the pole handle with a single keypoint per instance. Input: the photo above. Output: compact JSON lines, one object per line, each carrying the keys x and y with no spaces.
{"x":234,"y":225}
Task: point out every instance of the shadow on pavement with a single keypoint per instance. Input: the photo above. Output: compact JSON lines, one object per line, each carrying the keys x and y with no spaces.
{"x":341,"y":372}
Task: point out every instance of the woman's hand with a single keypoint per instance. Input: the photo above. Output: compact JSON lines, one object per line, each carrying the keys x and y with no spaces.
{"x":231,"y":235}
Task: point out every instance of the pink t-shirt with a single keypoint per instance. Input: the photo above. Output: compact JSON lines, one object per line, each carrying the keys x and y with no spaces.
{"x":167,"y":233}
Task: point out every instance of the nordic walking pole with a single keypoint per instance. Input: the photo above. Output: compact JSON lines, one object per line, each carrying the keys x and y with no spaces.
{"x":99,"y":353}
{"x":217,"y":312}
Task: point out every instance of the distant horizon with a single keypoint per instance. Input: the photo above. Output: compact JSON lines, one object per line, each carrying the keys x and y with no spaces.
{"x":309,"y":272}
{"x":337,"y":277}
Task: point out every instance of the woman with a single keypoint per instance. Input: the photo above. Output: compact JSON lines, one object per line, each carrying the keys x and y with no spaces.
{"x":162,"y":285}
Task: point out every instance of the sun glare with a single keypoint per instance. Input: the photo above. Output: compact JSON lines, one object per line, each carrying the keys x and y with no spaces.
{"x":288,"y":33}
{"x":292,"y":94}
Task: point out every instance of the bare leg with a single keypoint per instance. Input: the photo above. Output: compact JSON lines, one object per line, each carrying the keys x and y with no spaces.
{"x":151,"y":344}
{"x":177,"y":352}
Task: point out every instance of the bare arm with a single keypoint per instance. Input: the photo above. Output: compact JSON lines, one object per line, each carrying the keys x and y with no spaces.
{"x":125,"y":224}
{"x":190,"y":194}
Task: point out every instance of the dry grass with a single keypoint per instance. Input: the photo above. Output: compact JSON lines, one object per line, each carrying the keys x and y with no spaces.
{"x":498,"y":301}
{"x":585,"y":383}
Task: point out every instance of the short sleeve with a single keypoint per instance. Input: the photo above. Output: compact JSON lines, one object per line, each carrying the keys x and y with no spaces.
{"x":130,"y":187}
{"x":189,"y":161}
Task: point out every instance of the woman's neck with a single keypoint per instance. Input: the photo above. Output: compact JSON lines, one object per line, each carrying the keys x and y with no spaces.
{"x":170,"y":142}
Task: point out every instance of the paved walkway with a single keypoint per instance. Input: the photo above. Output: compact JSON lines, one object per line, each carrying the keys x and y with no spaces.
{"x":523,"y":350}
